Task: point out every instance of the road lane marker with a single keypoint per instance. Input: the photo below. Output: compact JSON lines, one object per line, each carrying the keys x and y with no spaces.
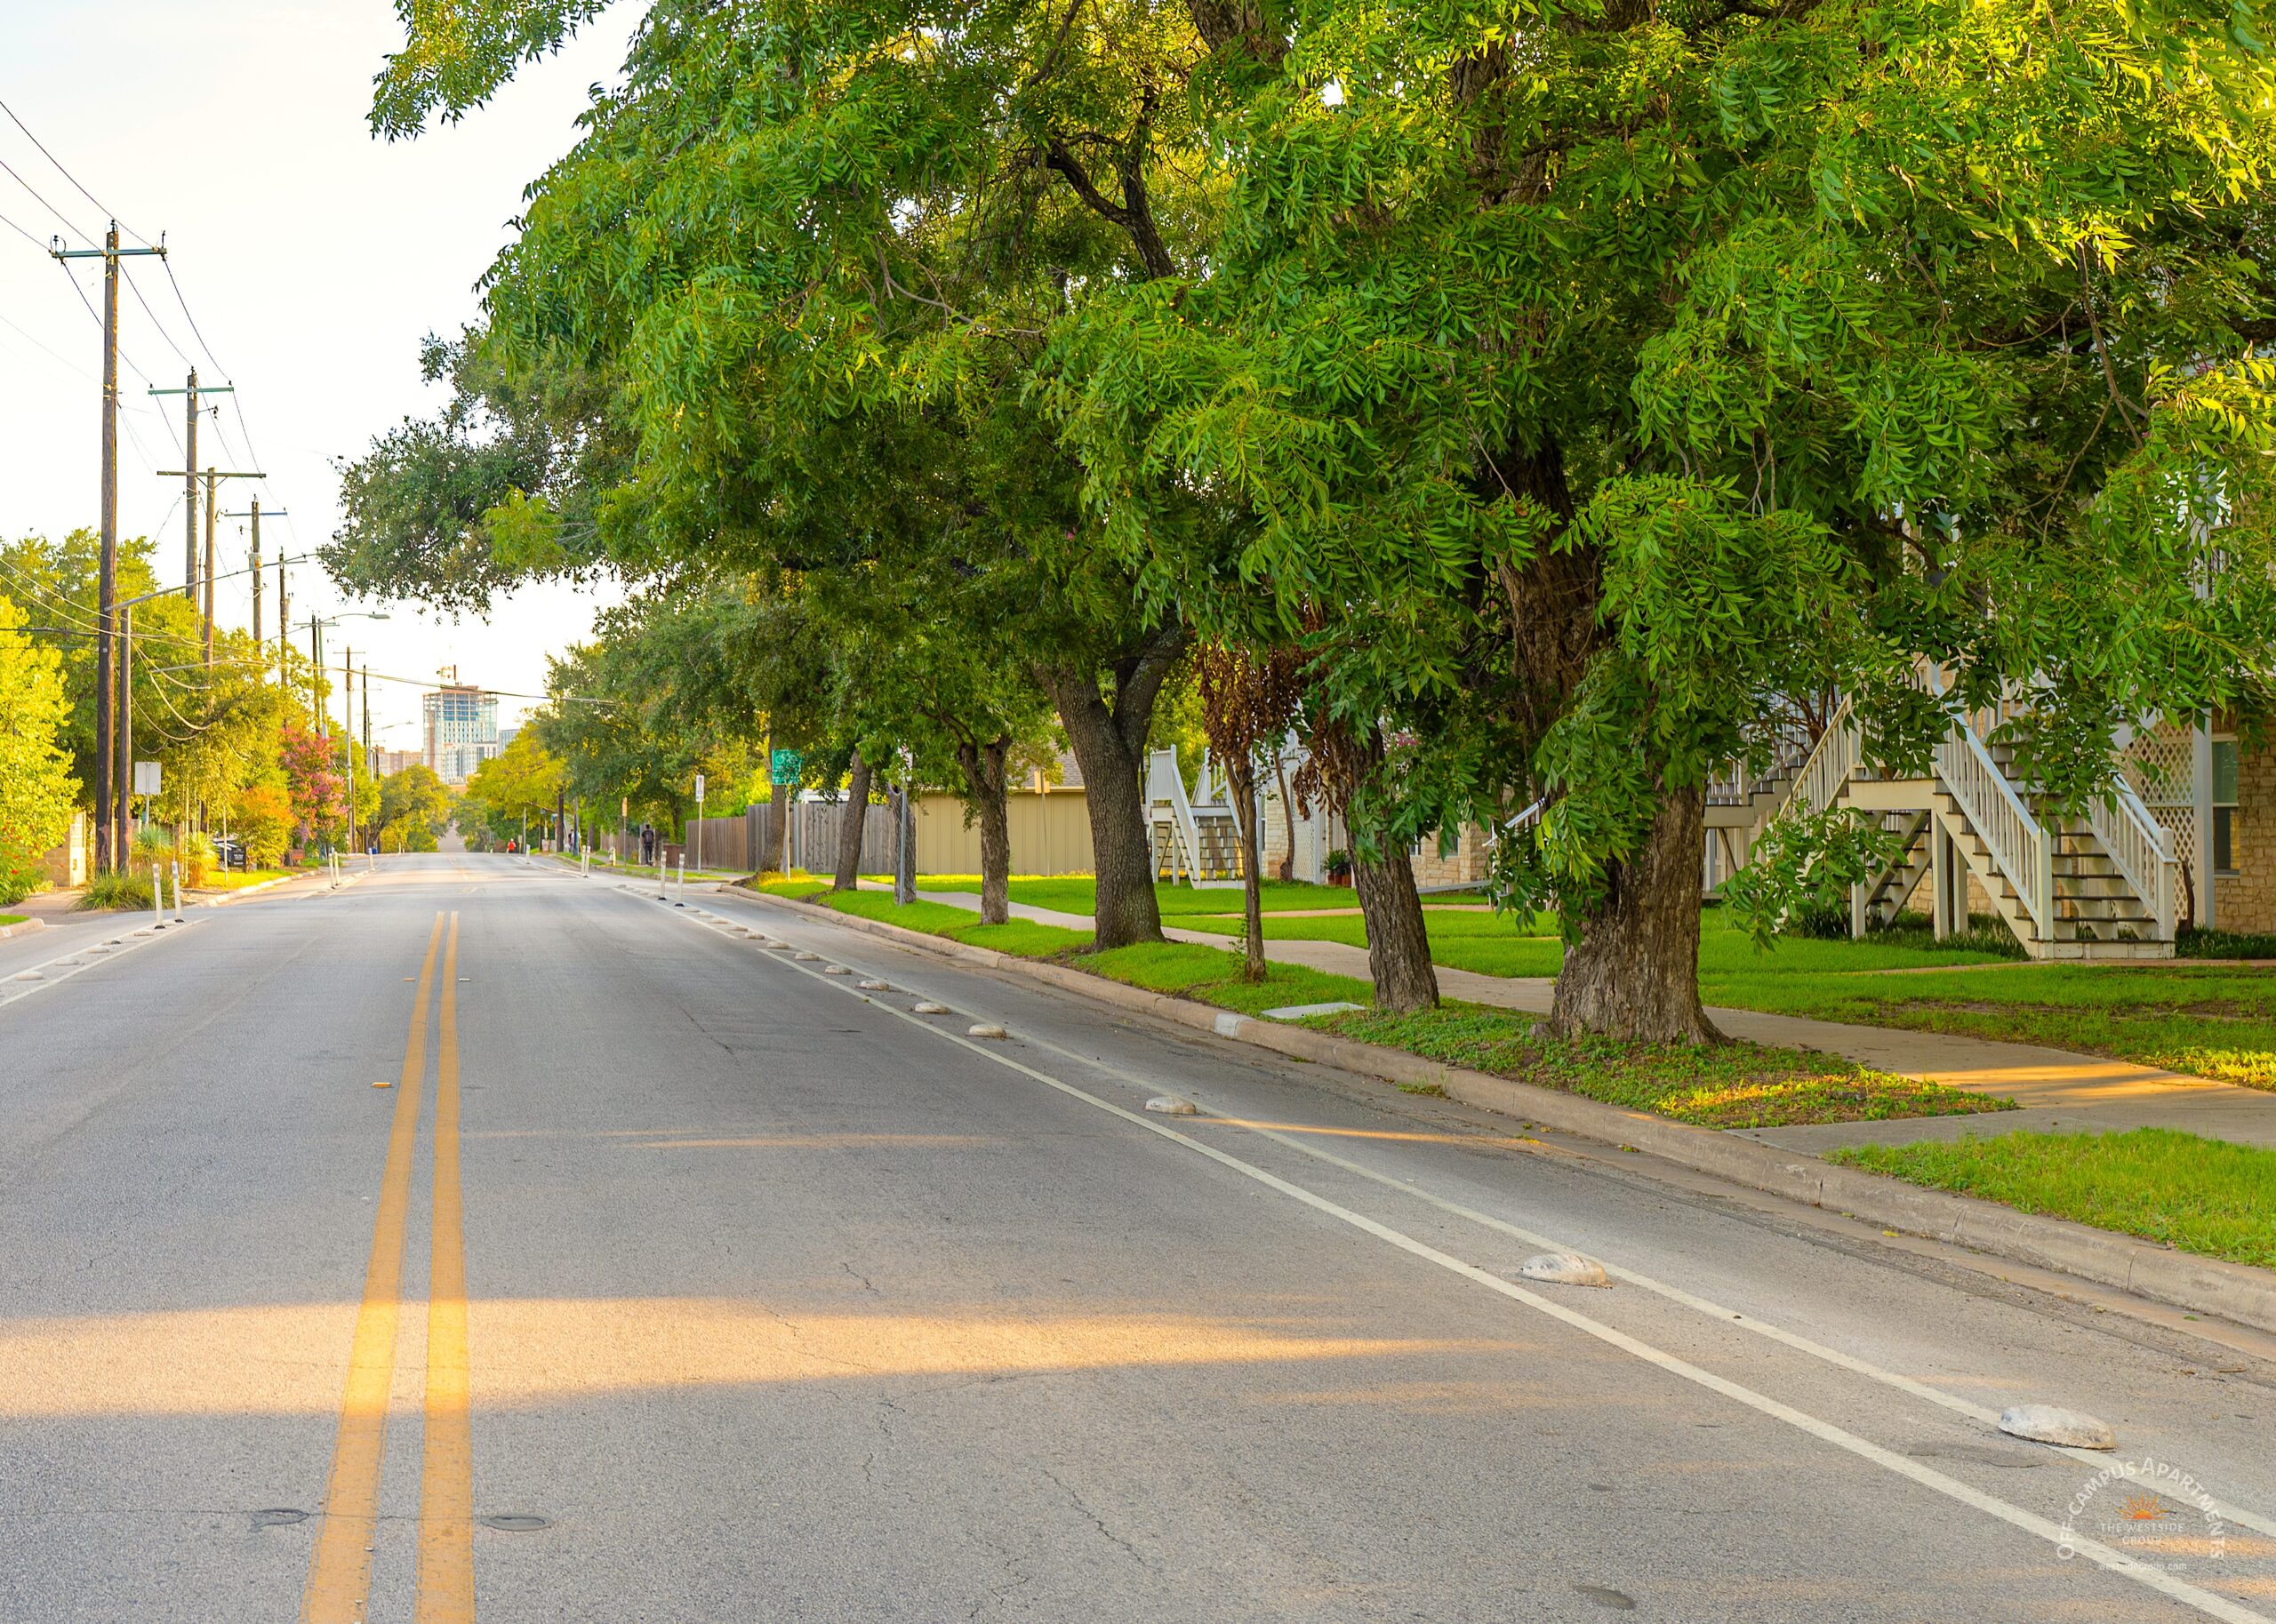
{"x":2055,"y":1534}
{"x":54,"y":972}
{"x":1987,"y":1415}
{"x":340,"y":1567}
{"x":445,"y":1592}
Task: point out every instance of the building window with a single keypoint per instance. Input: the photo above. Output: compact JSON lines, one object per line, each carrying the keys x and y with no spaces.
{"x":2225,"y":806}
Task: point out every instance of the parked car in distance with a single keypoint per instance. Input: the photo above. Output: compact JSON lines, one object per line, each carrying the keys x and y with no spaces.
{"x":229,"y":853}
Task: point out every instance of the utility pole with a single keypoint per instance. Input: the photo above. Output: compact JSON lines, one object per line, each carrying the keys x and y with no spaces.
{"x":211,"y":476}
{"x":283,"y":629}
{"x":111,"y":791}
{"x":191,"y":390}
{"x":348,"y":710}
{"x":253,"y":511}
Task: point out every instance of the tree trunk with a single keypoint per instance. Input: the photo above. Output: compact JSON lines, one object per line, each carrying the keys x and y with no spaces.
{"x":1241,"y":786}
{"x":1635,"y":971}
{"x":1110,"y":746}
{"x":1398,"y":947}
{"x":985,"y":783}
{"x":853,"y":823}
{"x":904,"y":846}
{"x":1288,"y":813}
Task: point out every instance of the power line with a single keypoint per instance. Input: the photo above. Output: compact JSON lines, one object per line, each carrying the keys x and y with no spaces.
{"x":60,"y":170}
{"x":63,"y":359}
{"x":180,"y":299}
{"x":20,"y":232}
{"x":155,"y":322}
{"x":50,"y":208}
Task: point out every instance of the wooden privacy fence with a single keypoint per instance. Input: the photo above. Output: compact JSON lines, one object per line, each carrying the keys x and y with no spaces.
{"x":1051,"y":834}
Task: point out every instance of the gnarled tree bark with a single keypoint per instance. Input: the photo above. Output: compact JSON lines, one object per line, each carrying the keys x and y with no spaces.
{"x":982,"y":761}
{"x":1107,"y":724}
{"x":1635,"y":971}
{"x":1399,"y":947}
{"x":853,"y":823}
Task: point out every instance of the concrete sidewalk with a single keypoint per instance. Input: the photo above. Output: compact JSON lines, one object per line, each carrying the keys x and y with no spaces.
{"x":2058,"y":1090}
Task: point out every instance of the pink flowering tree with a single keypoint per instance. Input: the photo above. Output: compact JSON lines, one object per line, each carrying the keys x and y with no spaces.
{"x":317,"y":782}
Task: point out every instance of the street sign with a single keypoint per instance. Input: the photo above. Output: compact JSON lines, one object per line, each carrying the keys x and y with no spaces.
{"x":699,"y":790}
{"x":146,"y":778}
{"x":785,"y":766}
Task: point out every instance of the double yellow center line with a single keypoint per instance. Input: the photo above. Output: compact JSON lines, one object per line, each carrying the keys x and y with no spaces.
{"x":339,"y":1569}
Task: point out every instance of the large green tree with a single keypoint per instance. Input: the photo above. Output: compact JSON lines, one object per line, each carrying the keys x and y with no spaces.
{"x":800,"y":240}
{"x":36,"y":789}
{"x":1629,"y":370}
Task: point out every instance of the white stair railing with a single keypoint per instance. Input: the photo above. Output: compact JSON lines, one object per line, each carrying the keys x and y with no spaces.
{"x":2142,"y":851}
{"x":2018,"y":845}
{"x":1828,"y":769}
{"x":1166,"y":788}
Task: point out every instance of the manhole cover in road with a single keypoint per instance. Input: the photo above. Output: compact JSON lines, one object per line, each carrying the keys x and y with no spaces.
{"x":278,"y":1517}
{"x":1604,"y":1595}
{"x":515,"y":1521}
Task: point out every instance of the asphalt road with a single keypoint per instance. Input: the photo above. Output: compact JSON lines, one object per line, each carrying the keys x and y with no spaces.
{"x":670,"y":1278}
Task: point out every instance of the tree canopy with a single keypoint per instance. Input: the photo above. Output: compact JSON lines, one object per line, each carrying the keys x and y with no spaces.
{"x":1582,"y":390}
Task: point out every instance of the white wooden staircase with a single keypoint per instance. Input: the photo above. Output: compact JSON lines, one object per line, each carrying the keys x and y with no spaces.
{"x":1194,"y":838}
{"x":2103,"y":885}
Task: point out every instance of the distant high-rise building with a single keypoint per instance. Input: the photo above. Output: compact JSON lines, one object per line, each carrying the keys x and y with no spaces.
{"x":457,"y":730}
{"x":387,"y":763}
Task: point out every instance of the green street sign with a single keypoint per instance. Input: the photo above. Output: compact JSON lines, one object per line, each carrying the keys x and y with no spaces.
{"x":786,"y":766}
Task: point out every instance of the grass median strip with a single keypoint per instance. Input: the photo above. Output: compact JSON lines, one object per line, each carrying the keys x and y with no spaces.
{"x":1732,"y":1085}
{"x":1736,"y":1086}
{"x":2198,"y":1195}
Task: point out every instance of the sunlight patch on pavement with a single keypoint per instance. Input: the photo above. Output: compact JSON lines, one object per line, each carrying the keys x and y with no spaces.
{"x":288,"y":1359}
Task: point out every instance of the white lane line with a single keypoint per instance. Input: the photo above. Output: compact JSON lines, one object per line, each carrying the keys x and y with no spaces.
{"x":1953,"y":1401}
{"x":2103,"y":1555}
{"x":1983,"y":1414}
{"x":54,"y":972}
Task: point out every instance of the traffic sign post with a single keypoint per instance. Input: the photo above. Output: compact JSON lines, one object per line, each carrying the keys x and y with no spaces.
{"x":146,"y":784}
{"x":699,"y":823}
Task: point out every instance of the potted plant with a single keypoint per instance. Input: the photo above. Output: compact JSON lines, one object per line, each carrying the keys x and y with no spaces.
{"x":1337,"y":864}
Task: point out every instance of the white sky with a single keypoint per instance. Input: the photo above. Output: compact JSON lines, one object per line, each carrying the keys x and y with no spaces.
{"x":313,"y":257}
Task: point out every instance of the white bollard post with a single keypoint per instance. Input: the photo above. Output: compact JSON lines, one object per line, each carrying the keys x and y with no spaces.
{"x":179,"y":918}
{"x":683,"y":871}
{"x":158,"y":894}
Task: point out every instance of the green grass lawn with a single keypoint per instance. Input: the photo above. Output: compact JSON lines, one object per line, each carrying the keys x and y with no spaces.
{"x":1077,"y":894}
{"x":9,"y":919}
{"x":2211,"y":1020}
{"x":1741,"y":1085}
{"x":2199,"y":1195}
{"x":1495,"y":944}
{"x":237,"y":879}
{"x":1735,"y":1086}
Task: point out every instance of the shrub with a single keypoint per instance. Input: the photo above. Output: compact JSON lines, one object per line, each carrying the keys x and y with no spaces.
{"x":2194,"y":943}
{"x":118,"y":890}
{"x":21,"y":873}
{"x":152,"y":846}
{"x":198,"y":860}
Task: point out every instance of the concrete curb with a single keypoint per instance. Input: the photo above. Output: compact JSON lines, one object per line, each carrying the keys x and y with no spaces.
{"x":238,"y":895}
{"x":22,"y":927}
{"x":2183,"y":1280}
